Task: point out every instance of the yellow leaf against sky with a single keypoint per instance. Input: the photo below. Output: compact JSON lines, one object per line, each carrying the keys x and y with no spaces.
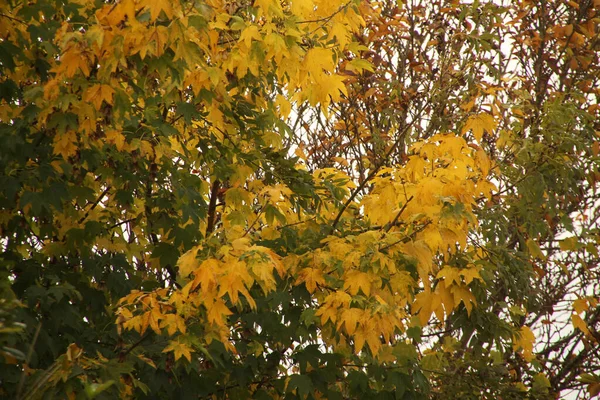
{"x":524,"y":339}
{"x":580,"y":305}
{"x":580,"y":324}
{"x":179,"y":349}
{"x":479,"y":123}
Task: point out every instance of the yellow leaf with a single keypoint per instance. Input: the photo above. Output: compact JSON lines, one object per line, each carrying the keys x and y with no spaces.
{"x":423,"y":254}
{"x":98,"y":93}
{"x":470,"y":274}
{"x":483,"y":161}
{"x":234,"y":282}
{"x":580,"y":324}
{"x":311,"y":277}
{"x":173,"y":323}
{"x":534,"y":249}
{"x":464,"y":295}
{"x":580,"y":305}
{"x":479,"y":123}
{"x":350,"y":319}
{"x":217,"y":312}
{"x":64,"y":144}
{"x":187,"y":263}
{"x":340,"y":32}
{"x":179,"y":349}
{"x":450,"y":275}
{"x":284,"y":109}
{"x":250,"y":33}
{"x":156,"y":6}
{"x":318,"y":59}
{"x":205,"y":276}
{"x":524,"y":339}
{"x":568,"y":244}
{"x":356,"y":280}
{"x":371,"y":336}
{"x":71,"y":61}
{"x":327,"y":311}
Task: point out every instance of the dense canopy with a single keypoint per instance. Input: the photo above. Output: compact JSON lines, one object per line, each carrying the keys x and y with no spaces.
{"x":299,"y":199}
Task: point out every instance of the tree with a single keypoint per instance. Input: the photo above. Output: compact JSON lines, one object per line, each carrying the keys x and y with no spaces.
{"x":299,"y":199}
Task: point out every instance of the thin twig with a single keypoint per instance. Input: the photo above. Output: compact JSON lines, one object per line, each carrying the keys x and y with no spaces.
{"x":391,"y":224}
{"x":372,"y":174}
{"x":87,"y":213}
{"x":28,"y":358}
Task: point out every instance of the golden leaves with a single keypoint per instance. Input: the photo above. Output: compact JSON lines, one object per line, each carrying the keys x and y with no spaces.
{"x":479,"y":123}
{"x":97,"y":94}
{"x":356,"y":280}
{"x":65,"y":144}
{"x":311,"y":277}
{"x":187,"y":263}
{"x":523,"y":340}
{"x":72,"y":60}
{"x":179,"y":350}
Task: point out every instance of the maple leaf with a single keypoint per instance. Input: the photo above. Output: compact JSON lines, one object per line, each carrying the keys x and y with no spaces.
{"x":470,"y":274}
{"x":524,"y":339}
{"x":217,"y":311}
{"x":370,"y":336}
{"x":350,"y":318}
{"x":187,"y":263}
{"x":99,"y":93}
{"x":64,"y":144}
{"x":318,"y":59}
{"x":173,"y":323}
{"x":205,"y":275}
{"x":311,"y":277}
{"x":580,"y":324}
{"x":327,"y":311}
{"x":179,"y":349}
{"x":356,"y":280}
{"x":463,"y":294}
{"x":450,"y":275}
{"x":72,"y":60}
{"x":249,"y":34}
{"x":479,"y":123}
{"x":580,"y":305}
{"x":158,"y":6}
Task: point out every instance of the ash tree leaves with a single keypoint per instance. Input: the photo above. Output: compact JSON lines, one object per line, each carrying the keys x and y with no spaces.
{"x":293,"y":199}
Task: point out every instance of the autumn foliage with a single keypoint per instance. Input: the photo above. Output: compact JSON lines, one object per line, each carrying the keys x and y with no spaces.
{"x":311,"y":199}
